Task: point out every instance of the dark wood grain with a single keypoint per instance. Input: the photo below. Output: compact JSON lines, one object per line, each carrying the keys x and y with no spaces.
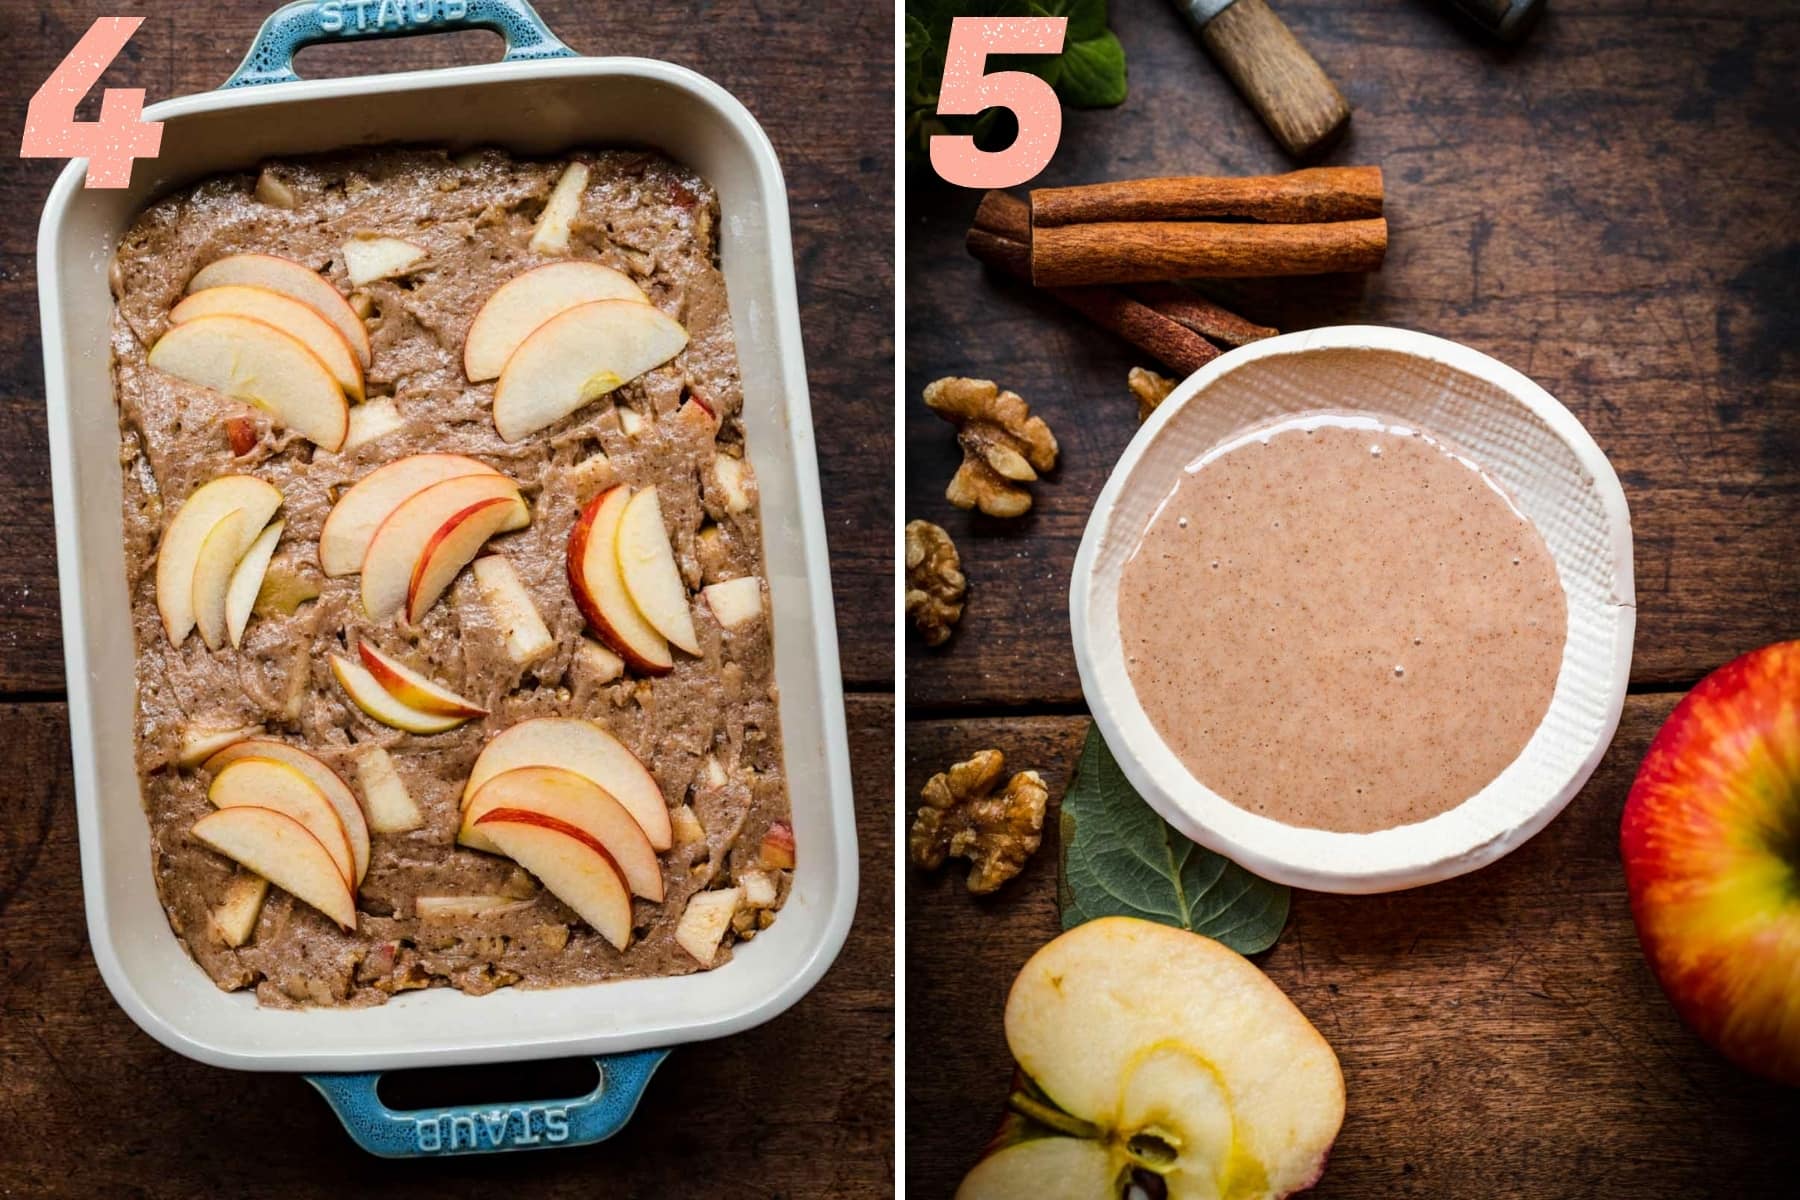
{"x":1610,"y":208}
{"x":1500,"y":1034}
{"x":835,"y":144}
{"x":92,"y":1107}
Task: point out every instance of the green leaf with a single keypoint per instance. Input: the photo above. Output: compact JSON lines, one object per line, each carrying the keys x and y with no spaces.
{"x":1121,"y":859}
{"x":1093,"y":74}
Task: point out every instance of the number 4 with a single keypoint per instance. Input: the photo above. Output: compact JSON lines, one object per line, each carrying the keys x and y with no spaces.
{"x":119,"y":136}
{"x":966,"y":91}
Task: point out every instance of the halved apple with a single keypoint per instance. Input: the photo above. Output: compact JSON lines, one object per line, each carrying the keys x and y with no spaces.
{"x":246,"y":583}
{"x":319,"y":774}
{"x":374,"y":699}
{"x":255,"y":362}
{"x":527,"y":637}
{"x":298,"y":320}
{"x":369,"y":257}
{"x":647,"y":564}
{"x":590,"y":752}
{"x":576,"y":801}
{"x":178,"y":554}
{"x":526,"y":301}
{"x":430,"y":537}
{"x":265,"y":783}
{"x":736,"y":601}
{"x":370,"y":420}
{"x":290,"y":279}
{"x":414,"y":690}
{"x":235,"y":915}
{"x":551,"y":234}
{"x":578,"y":356}
{"x":573,"y":866}
{"x":599,"y":587}
{"x":217,"y":560}
{"x":359,"y":512}
{"x":704,"y":922}
{"x":391,"y":807}
{"x":280,"y":849}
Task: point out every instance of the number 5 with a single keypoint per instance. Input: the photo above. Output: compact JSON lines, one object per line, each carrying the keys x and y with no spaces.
{"x":967,"y":91}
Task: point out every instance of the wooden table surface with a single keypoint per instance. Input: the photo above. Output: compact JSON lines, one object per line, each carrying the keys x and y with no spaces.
{"x":1611,"y":209}
{"x":802,"y":1107}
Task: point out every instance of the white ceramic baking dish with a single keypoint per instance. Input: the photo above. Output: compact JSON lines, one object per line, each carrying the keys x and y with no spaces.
{"x":537,"y":105}
{"x":1520,"y":436}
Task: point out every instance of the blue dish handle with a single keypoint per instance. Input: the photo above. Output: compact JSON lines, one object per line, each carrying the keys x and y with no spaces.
{"x":488,"y":1128}
{"x":303,"y":23}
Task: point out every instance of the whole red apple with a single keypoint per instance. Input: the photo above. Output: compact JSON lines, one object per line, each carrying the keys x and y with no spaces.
{"x":1711,"y":842}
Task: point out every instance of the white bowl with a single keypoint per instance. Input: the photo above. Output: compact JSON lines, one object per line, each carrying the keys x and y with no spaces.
{"x":1518,"y":434}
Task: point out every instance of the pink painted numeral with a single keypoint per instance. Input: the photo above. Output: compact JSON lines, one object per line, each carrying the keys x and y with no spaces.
{"x":966,"y":91}
{"x":119,"y":136}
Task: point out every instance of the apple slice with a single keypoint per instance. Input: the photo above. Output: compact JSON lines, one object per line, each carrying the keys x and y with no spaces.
{"x":430,"y":537}
{"x":391,"y":807}
{"x":599,"y":587}
{"x":280,"y":849}
{"x":237,"y":911}
{"x":374,"y":699}
{"x":199,"y":742}
{"x":573,"y":866}
{"x":526,"y":301}
{"x":578,"y":356}
{"x":736,"y":601}
{"x":527,"y":637}
{"x":704,"y":922}
{"x":414,"y":690}
{"x":652,"y":580}
{"x":370,"y":420}
{"x":590,"y":752}
{"x":257,"y":363}
{"x":299,"y":321}
{"x":265,"y":783}
{"x":359,"y":512}
{"x":564,"y":796}
{"x":551,"y":234}
{"x":320,"y":775}
{"x":368,"y":258}
{"x":178,"y":554}
{"x":290,"y":279}
{"x":213,"y":568}
{"x":246,"y":582}
{"x":459,"y":908}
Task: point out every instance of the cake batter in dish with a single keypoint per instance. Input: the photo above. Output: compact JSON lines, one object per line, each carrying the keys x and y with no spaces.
{"x":1339,"y":623}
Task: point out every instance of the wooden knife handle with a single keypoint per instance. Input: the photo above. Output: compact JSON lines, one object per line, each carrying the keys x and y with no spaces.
{"x":1288,"y":90}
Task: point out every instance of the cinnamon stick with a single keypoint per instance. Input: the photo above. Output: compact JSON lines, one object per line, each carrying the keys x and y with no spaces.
{"x":1001,"y":237}
{"x":1298,"y":197}
{"x":1147,"y":251}
{"x":1201,"y":315}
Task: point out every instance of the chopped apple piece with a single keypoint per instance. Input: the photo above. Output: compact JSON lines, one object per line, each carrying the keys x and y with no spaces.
{"x":599,"y":587}
{"x":246,"y":582}
{"x":280,"y":849}
{"x":374,"y":699}
{"x":591,"y":475}
{"x":430,"y":537}
{"x":218,"y":558}
{"x":199,"y":743}
{"x":631,"y":423}
{"x":284,"y":589}
{"x":460,"y":908}
{"x":237,"y":911}
{"x":359,"y":512}
{"x":759,"y":889}
{"x":574,"y":868}
{"x":587,"y":750}
{"x":736,"y":601}
{"x":257,"y":363}
{"x":777,"y":849}
{"x":321,"y":776}
{"x":369,"y":421}
{"x":265,"y":783}
{"x":713,"y":771}
{"x":526,"y":301}
{"x":601,"y":664}
{"x":578,"y":356}
{"x":291,"y":279}
{"x":736,"y":481}
{"x":652,"y":580}
{"x":686,"y":826}
{"x":178,"y":554}
{"x":299,"y":321}
{"x":551,"y":235}
{"x":391,"y":807}
{"x":702,"y":926}
{"x":697,"y":415}
{"x":527,"y":637}
{"x":562,"y":797}
{"x":414,"y":690}
{"x":271,"y":190}
{"x":368,"y":258}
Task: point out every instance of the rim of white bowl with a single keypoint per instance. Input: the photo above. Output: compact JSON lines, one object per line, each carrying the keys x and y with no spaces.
{"x":1526,"y":796}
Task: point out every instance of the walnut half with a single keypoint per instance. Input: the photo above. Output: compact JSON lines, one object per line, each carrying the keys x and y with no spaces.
{"x":934,"y":581}
{"x":1150,"y":389}
{"x":1004,"y":446}
{"x":964,"y":816}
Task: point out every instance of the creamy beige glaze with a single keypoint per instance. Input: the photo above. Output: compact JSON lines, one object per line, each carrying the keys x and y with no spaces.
{"x":1338,"y":623}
